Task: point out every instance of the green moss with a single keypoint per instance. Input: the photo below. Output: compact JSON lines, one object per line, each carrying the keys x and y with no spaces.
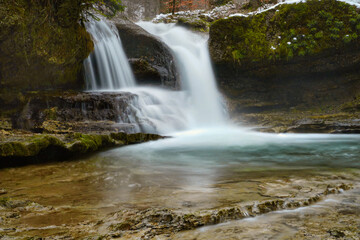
{"x":319,"y":35}
{"x":352,"y":106}
{"x":13,"y":149}
{"x":197,"y":24}
{"x":37,"y":49}
{"x":29,"y":147}
{"x":84,"y":143}
{"x":4,"y":201}
{"x":290,"y":30}
{"x":120,"y":137}
{"x":51,"y":113}
{"x":73,"y":144}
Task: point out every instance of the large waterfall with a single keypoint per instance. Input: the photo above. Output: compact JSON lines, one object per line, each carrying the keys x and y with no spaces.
{"x":197,"y":77}
{"x":197,"y":105}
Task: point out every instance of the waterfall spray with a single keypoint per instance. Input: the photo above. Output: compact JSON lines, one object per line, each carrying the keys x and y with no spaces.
{"x":197,"y":77}
{"x":107,"y":68}
{"x":198,"y":105}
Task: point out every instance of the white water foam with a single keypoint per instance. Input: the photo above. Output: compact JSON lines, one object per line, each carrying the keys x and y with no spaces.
{"x":197,"y":77}
{"x":159,"y":110}
{"x":107,"y":68}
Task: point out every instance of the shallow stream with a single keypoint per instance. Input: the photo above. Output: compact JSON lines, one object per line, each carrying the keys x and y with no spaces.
{"x":191,"y":171}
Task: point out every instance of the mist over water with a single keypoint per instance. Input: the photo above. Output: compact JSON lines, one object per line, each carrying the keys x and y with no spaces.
{"x":215,"y":148}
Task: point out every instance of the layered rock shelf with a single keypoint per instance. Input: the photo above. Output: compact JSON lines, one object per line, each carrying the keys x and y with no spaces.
{"x":26,"y":148}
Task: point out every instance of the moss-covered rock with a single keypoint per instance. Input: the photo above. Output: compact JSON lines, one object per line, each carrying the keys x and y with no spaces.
{"x":31,"y":147}
{"x":18,"y":149}
{"x":40,"y":48}
{"x":197,"y":24}
{"x":302,"y":55}
{"x":84,"y":143}
{"x":287,"y":32}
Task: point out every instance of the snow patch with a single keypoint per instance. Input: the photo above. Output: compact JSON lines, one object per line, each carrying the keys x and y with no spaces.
{"x":228,"y":10}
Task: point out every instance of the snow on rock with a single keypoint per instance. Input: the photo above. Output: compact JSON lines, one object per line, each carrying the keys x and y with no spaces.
{"x":230,"y":10}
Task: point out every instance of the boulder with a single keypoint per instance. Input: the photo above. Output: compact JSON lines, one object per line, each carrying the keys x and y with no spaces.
{"x":152,"y":61}
{"x":296,"y":55}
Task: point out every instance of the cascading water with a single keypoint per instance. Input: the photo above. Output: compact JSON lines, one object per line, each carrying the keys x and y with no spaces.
{"x":158,"y":110}
{"x":197,"y":77}
{"x":107,"y":68}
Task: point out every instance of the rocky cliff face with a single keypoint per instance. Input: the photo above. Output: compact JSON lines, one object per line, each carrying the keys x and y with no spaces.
{"x":152,"y":61}
{"x":40,"y":48}
{"x":141,"y":9}
{"x":67,"y":112}
{"x":299,"y":55}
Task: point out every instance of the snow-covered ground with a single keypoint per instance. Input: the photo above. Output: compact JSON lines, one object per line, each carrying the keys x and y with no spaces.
{"x":230,"y":10}
{"x":267,"y":7}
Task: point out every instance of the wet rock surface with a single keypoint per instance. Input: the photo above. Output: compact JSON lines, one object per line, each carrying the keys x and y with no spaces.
{"x":57,"y":126}
{"x":325,"y":220}
{"x":164,"y":221}
{"x":22,"y":149}
{"x":67,"y":112}
{"x":316,"y":121}
{"x":152,"y":61}
{"x":318,"y":203}
{"x":44,"y":109}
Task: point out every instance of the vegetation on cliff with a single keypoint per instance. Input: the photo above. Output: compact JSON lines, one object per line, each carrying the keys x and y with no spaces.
{"x":43,"y":45}
{"x":293,"y":66}
{"x":286,"y":32}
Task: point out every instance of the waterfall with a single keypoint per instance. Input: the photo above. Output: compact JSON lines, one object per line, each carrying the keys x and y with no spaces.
{"x":197,"y":77}
{"x":197,"y":105}
{"x":107,"y":68}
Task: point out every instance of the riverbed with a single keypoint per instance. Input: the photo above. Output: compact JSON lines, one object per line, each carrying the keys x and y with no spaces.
{"x":197,"y":178}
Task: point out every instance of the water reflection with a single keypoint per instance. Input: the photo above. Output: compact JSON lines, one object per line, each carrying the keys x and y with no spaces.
{"x":196,"y":169}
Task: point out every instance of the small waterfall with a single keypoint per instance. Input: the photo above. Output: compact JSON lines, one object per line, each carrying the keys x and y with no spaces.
{"x":157,"y":110}
{"x":107,"y":68}
{"x":197,"y":77}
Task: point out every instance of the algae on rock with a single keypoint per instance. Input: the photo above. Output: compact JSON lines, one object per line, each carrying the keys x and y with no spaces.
{"x":288,"y":31}
{"x":20,"y":149}
{"x":303,"y":55}
{"x":40,"y":48}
